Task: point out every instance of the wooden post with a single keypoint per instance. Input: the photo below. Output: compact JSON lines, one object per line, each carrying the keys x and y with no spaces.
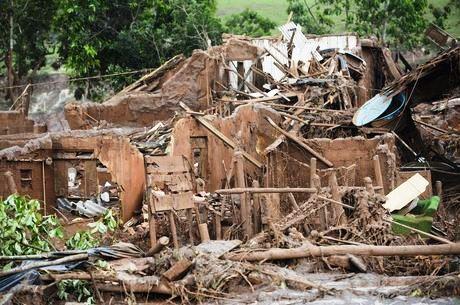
{"x":322,"y":212}
{"x":241,"y":182}
{"x":316,"y":183}
{"x":162,"y":242}
{"x":204,"y":233}
{"x":177,"y":270}
{"x":369,"y":186}
{"x":293,"y":202}
{"x":256,"y":211}
{"x":152,"y":225}
{"x":10,"y":182}
{"x":337,"y":210}
{"x":190,"y":225}
{"x":218,"y":225}
{"x":378,"y":173}
{"x":438,"y":187}
{"x":172,"y":224}
{"x":312,"y":171}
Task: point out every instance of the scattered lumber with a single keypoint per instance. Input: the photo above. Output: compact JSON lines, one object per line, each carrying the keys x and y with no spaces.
{"x":161,"y":243}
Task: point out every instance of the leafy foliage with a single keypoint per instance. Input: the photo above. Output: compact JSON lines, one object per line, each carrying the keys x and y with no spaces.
{"x":23,"y":230}
{"x":312,"y":22}
{"x":394,"y":22}
{"x":31,"y":35}
{"x":249,"y":23}
{"x":78,"y":288}
{"x":85,"y":240}
{"x":110,"y":36}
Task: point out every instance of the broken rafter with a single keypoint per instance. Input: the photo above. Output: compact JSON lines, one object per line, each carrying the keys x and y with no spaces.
{"x":220,"y":135}
{"x":300,"y":143}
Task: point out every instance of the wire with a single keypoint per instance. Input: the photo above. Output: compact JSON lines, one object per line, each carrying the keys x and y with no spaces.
{"x":70,"y":80}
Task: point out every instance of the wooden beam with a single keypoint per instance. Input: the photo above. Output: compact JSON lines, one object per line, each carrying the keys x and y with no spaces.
{"x":266,"y":190}
{"x":366,"y":250}
{"x":300,"y":143}
{"x":221,"y":136}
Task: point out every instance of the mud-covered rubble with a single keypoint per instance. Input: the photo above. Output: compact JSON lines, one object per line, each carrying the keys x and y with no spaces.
{"x":259,"y":171}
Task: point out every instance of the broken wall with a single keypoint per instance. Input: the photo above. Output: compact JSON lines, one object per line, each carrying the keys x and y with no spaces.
{"x":290,"y":166}
{"x":15,"y":122}
{"x":45,"y":168}
{"x":190,"y":81}
{"x":246,"y":126}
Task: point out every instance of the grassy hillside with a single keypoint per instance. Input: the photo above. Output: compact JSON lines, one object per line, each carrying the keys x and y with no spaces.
{"x":276,"y":10}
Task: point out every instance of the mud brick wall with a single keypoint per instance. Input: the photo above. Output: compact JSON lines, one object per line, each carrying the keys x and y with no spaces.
{"x":13,"y":122}
{"x":41,"y":177}
{"x":123,"y":161}
{"x":290,"y":165}
{"x":246,"y":126}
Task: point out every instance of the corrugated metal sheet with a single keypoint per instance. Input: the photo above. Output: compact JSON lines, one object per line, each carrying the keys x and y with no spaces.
{"x":276,"y":49}
{"x":303,"y":48}
{"x":342,"y":42}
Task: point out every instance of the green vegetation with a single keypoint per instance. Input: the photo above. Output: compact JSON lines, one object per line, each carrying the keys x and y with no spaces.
{"x":23,"y":230}
{"x":249,"y":23}
{"x":276,"y":10}
{"x":96,"y":37}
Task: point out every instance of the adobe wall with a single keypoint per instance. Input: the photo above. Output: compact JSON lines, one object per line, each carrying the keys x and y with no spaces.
{"x":290,"y":166}
{"x":41,"y":179}
{"x":14,"y":122}
{"x":246,"y":126}
{"x":124,"y":162}
{"x":191,"y":83}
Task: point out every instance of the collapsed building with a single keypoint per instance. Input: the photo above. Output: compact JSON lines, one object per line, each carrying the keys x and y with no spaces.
{"x":252,"y":139}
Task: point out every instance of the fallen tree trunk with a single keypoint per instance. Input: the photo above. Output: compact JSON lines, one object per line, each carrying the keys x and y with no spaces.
{"x":366,"y":250}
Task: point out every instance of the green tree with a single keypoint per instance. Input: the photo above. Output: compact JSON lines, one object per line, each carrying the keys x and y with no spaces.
{"x":249,"y":23}
{"x":109,"y":36}
{"x":313,"y":21}
{"x":25,"y":31}
{"x":394,"y":22}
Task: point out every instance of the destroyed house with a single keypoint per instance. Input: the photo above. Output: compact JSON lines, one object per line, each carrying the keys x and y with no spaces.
{"x":296,"y":146}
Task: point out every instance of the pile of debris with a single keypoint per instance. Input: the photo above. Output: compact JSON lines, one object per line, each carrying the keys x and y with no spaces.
{"x":259,"y":169}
